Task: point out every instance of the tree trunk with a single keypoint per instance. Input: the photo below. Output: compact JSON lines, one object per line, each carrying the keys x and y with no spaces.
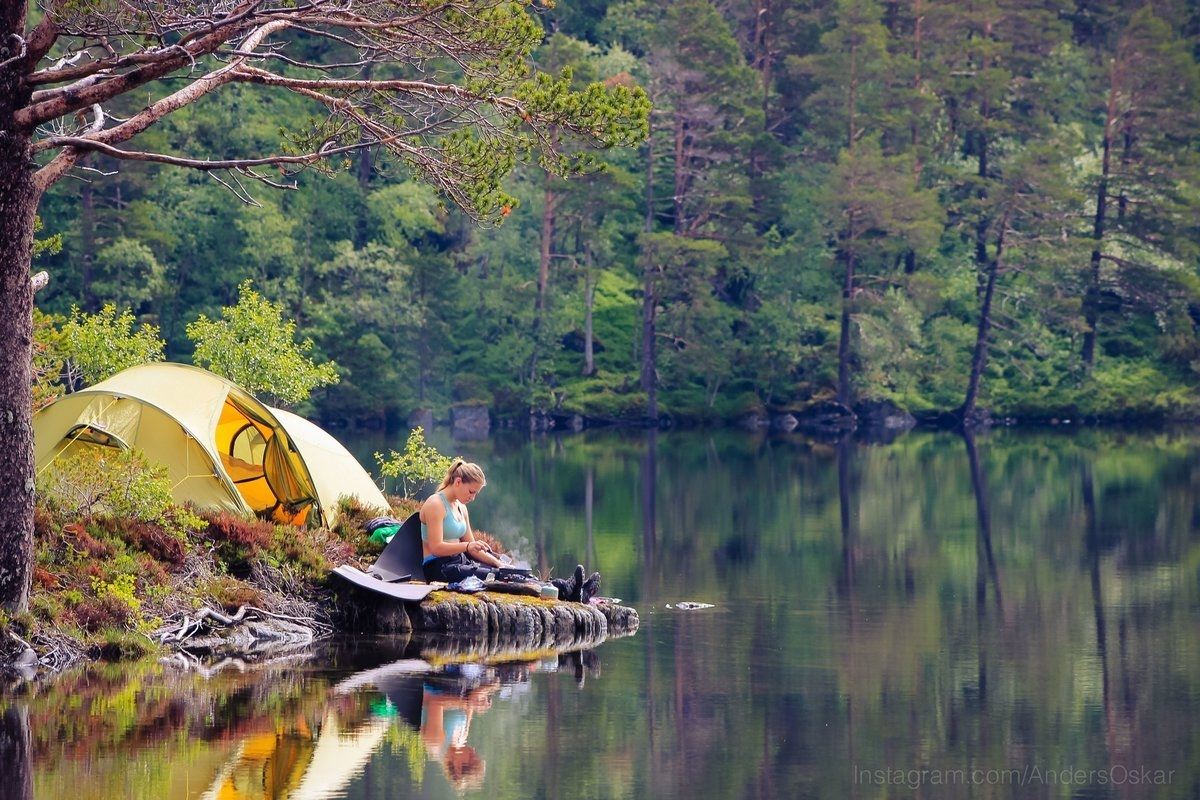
{"x":680,"y":172}
{"x":548,"y":208}
{"x":648,"y":222}
{"x":851,"y":234}
{"x":649,"y":354}
{"x":649,"y":365}
{"x":914,"y":128}
{"x":1091,"y":297}
{"x":589,"y":302}
{"x":983,"y":223}
{"x":762,"y":55}
{"x":979,"y":358}
{"x":18,"y":204}
{"x":844,"y":339}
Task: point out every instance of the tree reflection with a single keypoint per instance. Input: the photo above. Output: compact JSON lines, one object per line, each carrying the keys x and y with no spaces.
{"x":986,"y":558}
{"x":16,"y":763}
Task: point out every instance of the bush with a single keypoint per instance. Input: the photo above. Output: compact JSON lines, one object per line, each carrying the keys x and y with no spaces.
{"x":148,"y":537}
{"x":256,"y":348}
{"x":98,"y":346}
{"x":238,"y":540}
{"x":418,"y":465}
{"x":103,"y":613}
{"x":104,"y":481}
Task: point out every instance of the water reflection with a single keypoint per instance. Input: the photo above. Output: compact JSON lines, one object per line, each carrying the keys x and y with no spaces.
{"x":16,"y":763}
{"x":885,"y":616}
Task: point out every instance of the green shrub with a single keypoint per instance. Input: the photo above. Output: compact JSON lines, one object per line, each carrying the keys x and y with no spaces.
{"x":122,"y":484}
{"x":418,"y":465}
{"x":255,"y":347}
{"x":97,"y":346}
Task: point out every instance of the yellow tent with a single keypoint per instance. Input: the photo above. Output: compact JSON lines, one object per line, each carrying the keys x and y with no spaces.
{"x":335,"y":472}
{"x":222,"y":448}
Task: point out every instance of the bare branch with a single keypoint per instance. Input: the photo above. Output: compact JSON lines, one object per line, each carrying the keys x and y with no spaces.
{"x":47,"y":175}
{"x":68,"y":157}
{"x":65,"y":69}
{"x":237,"y":190}
{"x":41,"y":38}
{"x":82,"y":83}
{"x":165,"y":62}
{"x":262,"y":76}
{"x":84,"y":143}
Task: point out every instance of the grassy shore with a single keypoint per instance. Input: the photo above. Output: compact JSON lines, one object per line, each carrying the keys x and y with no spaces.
{"x":104,"y":584}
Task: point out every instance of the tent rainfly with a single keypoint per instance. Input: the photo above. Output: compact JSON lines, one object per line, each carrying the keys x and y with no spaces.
{"x":222,"y":448}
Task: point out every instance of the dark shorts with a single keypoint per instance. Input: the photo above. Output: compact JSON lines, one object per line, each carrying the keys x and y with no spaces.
{"x":454,"y":568}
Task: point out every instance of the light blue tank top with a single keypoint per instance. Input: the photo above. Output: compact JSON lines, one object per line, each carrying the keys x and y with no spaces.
{"x":452,"y":526}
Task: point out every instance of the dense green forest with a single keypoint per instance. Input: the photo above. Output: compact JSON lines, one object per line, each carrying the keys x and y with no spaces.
{"x":948,"y":205}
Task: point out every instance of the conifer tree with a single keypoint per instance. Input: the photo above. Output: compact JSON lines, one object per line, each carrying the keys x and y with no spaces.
{"x":1145,"y":207}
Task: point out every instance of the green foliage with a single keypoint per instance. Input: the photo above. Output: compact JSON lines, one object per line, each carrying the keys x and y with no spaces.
{"x":93,"y":480}
{"x":789,"y":141}
{"x":48,"y":246}
{"x":121,"y":590}
{"x":418,"y":465}
{"x":47,"y":360}
{"x":128,"y":274}
{"x":253,"y":346}
{"x":1127,"y":388}
{"x":98,"y":346}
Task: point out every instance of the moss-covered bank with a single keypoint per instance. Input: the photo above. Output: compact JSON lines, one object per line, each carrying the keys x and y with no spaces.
{"x":122,"y":587}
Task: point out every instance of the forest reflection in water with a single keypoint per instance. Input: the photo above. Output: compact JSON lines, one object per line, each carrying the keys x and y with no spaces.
{"x":1014,"y":614}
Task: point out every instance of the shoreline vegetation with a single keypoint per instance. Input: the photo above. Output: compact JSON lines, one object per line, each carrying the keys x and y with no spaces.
{"x":155,"y":579}
{"x":817,"y":418}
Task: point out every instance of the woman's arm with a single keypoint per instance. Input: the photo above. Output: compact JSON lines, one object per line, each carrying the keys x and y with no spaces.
{"x":433,"y":514}
{"x":481,"y":552}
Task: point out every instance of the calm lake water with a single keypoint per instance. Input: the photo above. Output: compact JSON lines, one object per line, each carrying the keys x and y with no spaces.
{"x":1017,"y":616}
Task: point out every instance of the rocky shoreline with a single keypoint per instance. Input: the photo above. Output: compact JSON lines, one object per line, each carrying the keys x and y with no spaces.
{"x":533,"y":623}
{"x":482,"y":622}
{"x":871,"y":419}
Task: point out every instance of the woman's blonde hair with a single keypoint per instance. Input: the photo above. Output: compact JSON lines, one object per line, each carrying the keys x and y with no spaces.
{"x":470,"y":473}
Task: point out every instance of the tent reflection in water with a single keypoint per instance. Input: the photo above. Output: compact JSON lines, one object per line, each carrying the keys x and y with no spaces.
{"x":222,"y":448}
{"x":297,"y":765}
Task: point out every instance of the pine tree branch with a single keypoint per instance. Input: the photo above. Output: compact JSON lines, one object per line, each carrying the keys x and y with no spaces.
{"x":163,"y":63}
{"x":47,"y":175}
{"x":88,"y":144}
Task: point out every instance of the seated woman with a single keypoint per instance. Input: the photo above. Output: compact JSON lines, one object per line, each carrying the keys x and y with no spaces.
{"x":450,"y":549}
{"x":449,"y":546}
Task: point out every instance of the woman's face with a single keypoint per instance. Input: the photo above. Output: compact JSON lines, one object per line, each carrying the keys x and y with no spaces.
{"x":467,"y":491}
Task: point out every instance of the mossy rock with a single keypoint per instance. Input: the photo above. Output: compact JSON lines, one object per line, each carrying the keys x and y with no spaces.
{"x":532,"y":621}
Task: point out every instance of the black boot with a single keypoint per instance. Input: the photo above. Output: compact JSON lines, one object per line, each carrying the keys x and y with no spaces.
{"x":563,"y":585}
{"x":568,"y":588}
{"x":591,"y":587}
{"x":576,"y":593}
